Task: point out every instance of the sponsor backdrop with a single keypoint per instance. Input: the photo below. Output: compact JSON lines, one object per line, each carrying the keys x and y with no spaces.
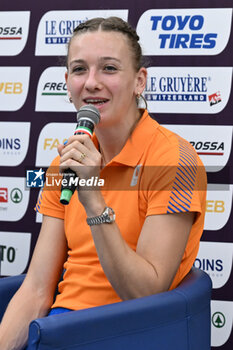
{"x":188,"y":46}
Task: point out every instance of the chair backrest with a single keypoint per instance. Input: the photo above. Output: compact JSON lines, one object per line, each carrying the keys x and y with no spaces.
{"x":178,"y":320}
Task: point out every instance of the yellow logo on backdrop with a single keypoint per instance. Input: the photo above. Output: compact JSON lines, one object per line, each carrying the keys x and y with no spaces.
{"x":215,"y":206}
{"x":50,"y":143}
{"x":11,"y":88}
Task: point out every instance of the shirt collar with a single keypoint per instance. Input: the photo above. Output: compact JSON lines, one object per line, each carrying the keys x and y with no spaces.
{"x":135,"y":145}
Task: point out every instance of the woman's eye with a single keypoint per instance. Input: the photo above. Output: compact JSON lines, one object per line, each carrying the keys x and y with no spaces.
{"x":110,"y":68}
{"x":78,"y":69}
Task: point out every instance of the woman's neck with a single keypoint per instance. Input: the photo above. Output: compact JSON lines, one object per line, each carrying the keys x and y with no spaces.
{"x":112,"y":140}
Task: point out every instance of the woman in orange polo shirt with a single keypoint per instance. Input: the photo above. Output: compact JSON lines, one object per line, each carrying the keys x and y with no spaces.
{"x":115,"y":243}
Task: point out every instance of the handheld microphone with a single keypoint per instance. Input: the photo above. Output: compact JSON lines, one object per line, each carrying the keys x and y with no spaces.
{"x":87,"y":117}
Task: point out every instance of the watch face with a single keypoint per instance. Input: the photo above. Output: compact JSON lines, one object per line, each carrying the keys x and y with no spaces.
{"x":109,"y":215}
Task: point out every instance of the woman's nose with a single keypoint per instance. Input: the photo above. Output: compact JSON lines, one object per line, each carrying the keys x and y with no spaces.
{"x":93,"y":81}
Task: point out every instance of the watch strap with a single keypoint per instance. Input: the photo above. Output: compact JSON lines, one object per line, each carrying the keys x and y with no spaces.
{"x":107,"y":217}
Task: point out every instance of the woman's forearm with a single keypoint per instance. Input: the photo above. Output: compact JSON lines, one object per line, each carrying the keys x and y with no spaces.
{"x":25,"y":306}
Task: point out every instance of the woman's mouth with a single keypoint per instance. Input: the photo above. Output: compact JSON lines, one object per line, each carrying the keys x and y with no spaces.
{"x":96,"y":101}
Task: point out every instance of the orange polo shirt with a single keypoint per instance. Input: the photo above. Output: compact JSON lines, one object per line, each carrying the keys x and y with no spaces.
{"x":156,"y":172}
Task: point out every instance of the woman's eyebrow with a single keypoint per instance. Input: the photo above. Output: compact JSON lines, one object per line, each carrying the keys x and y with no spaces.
{"x":77,"y":61}
{"x":107,"y":58}
{"x":102,"y":59}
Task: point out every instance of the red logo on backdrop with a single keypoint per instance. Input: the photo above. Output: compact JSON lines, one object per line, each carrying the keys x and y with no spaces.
{"x":215,"y":98}
{"x":3,"y":195}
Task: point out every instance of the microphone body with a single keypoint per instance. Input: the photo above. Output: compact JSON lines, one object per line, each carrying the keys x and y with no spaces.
{"x":87,"y":117}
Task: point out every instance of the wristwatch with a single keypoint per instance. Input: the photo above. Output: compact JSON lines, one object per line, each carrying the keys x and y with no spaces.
{"x":107,"y":217}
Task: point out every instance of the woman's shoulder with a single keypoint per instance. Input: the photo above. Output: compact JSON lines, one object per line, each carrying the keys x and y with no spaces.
{"x":167,"y":146}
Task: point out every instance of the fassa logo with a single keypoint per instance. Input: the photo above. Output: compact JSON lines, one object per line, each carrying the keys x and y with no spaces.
{"x":50,"y":137}
{"x":50,"y":143}
{"x":184,"y":31}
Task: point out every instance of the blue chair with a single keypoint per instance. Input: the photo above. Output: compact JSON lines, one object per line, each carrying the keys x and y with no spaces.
{"x":177,"y":319}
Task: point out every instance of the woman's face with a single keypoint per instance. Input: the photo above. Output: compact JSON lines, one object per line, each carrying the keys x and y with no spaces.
{"x":101,"y":72}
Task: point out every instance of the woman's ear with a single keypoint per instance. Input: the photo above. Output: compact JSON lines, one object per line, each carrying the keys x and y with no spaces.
{"x":141,"y":80}
{"x":68,"y":92}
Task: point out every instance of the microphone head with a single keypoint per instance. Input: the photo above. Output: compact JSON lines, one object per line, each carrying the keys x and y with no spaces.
{"x":89,"y":112}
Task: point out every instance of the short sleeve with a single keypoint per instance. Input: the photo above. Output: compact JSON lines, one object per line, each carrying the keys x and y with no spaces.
{"x":49,"y":199}
{"x":178,"y":185}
